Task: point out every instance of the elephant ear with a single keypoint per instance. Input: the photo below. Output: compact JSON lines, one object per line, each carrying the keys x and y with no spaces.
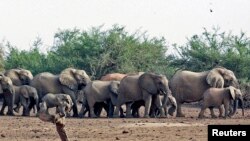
{"x":147,"y":82}
{"x":232,"y":92}
{"x":58,"y":99}
{"x":114,"y":87}
{"x":67,"y":78}
{"x":214,"y":77}
{"x":24,"y":92}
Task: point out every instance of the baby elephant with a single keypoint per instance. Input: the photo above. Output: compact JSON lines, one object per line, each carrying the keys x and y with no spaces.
{"x":215,"y":97}
{"x":62,"y":102}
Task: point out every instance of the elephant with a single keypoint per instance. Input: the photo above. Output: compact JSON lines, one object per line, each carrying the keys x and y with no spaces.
{"x":166,"y":101}
{"x":33,"y":98}
{"x":188,"y":86}
{"x":215,"y":97}
{"x":98,"y":106}
{"x":69,"y":81}
{"x":100,"y":91}
{"x":56,"y":119}
{"x":18,"y":95}
{"x":141,"y":87}
{"x":113,"y":77}
{"x":19,"y":76}
{"x":154,"y":111}
{"x":62,"y":102}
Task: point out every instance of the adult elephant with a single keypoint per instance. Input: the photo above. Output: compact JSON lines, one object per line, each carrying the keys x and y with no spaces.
{"x":69,"y":81}
{"x":12,"y":94}
{"x":100,"y":91}
{"x":141,"y":87}
{"x":188,"y":86}
{"x":113,"y":77}
{"x":19,"y":76}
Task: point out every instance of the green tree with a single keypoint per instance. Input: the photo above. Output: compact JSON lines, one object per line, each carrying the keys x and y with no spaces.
{"x":215,"y":48}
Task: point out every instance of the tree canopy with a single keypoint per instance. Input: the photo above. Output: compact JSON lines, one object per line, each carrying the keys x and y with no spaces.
{"x":100,"y":51}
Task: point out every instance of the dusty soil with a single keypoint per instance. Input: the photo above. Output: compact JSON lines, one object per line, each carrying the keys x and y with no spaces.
{"x":102,"y":129}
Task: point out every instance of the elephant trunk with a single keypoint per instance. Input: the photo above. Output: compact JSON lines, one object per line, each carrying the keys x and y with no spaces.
{"x":173,"y":107}
{"x":235,"y":107}
{"x":167,"y":91}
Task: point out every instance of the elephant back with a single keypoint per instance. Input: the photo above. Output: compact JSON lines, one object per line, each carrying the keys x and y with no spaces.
{"x":46,"y":83}
{"x":113,"y":77}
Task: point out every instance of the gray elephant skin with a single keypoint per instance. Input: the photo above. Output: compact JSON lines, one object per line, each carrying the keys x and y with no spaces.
{"x":141,"y":87}
{"x":19,"y":76}
{"x":188,"y":86}
{"x":216,"y":97}
{"x":69,"y":81}
{"x":18,"y":95}
{"x":100,"y":91}
{"x":62,"y":102}
{"x":154,"y":111}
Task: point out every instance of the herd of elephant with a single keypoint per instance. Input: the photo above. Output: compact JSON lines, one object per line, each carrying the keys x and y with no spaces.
{"x":217,"y":87}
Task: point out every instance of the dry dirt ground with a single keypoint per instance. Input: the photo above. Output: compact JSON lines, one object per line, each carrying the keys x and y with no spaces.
{"x":103,"y":129}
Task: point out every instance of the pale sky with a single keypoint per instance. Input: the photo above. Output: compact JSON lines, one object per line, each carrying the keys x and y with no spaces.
{"x":21,"y":21}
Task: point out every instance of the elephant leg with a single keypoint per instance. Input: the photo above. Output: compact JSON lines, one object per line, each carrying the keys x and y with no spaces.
{"x":160,"y":107}
{"x":121,"y":113}
{"x":110,"y":109}
{"x":148,"y":101}
{"x":32,"y":104}
{"x":201,"y":114}
{"x":75,"y":110}
{"x":10,"y":105}
{"x":25,"y":111}
{"x":128,"y":110}
{"x":91,"y":109}
{"x":165,"y":110}
{"x":107,"y":108}
{"x":17,"y":108}
{"x":81,"y":113}
{"x":98,"y":109}
{"x":231,"y":108}
{"x":152,"y":111}
{"x":84,"y":109}
{"x":117,"y":108}
{"x":3,"y":107}
{"x":179,"y":112}
{"x":212,"y":112}
{"x":135,"y":109}
{"x":226,"y":105}
{"x":220,"y":111}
